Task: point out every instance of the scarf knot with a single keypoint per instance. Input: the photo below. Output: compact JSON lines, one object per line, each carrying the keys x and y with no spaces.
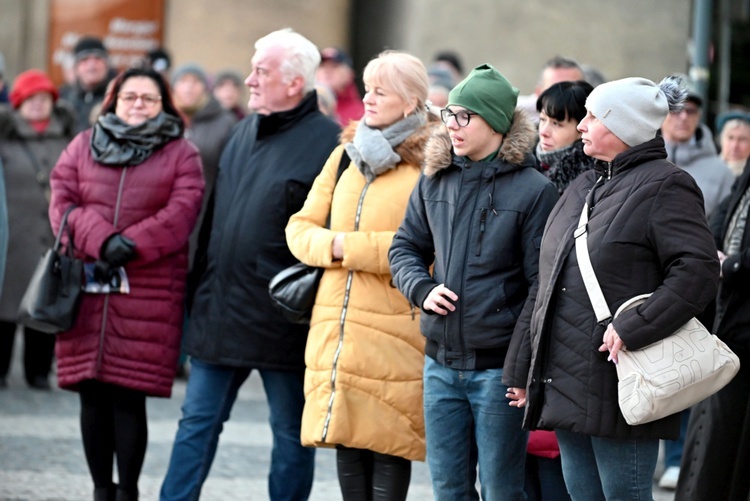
{"x":116,"y":143}
{"x":372,"y":150}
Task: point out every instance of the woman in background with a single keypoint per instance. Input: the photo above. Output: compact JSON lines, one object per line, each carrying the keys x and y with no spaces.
{"x":33,"y":133}
{"x":560,"y":149}
{"x":137,"y":187}
{"x":364,"y":355}
{"x":560,"y":153}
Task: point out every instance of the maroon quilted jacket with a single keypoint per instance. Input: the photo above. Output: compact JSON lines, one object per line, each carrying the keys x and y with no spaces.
{"x":131,"y":340}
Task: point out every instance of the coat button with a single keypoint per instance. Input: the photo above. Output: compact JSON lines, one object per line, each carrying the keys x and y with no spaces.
{"x":736,"y":266}
{"x":564,"y":289}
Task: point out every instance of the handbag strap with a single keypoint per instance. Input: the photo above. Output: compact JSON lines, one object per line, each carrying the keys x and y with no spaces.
{"x":63,"y":227}
{"x":594,"y":290}
{"x":343,"y":164}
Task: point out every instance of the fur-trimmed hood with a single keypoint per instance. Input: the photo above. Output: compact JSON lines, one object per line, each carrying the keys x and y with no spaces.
{"x":412,"y":150}
{"x":517,"y":145}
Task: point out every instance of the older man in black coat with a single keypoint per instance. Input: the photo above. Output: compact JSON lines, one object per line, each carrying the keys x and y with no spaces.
{"x":265,"y":172}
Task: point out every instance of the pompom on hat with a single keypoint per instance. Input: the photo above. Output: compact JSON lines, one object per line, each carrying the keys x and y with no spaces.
{"x":634,"y":109}
{"x":31,"y":82}
{"x":489,"y":94}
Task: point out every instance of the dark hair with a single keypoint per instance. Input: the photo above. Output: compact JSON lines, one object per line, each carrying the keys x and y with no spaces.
{"x":110,"y":101}
{"x":565,"y":100}
{"x":563,"y":62}
{"x":452,"y":58}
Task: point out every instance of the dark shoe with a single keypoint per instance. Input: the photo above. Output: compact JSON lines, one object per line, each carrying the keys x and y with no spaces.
{"x":182,"y":372}
{"x":3,"y":382}
{"x":123,"y":495}
{"x":39,"y":383}
{"x":105,"y":493}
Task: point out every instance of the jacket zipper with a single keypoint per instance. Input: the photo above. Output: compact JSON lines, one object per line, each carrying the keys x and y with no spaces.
{"x":106,"y":296}
{"x":342,"y":319}
{"x":482,"y":225}
{"x":609,"y":171}
{"x":466,"y":258}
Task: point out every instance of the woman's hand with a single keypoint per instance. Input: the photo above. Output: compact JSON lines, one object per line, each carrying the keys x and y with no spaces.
{"x":439,"y":300}
{"x":612,"y":342}
{"x":337,"y":247}
{"x":517,"y":397}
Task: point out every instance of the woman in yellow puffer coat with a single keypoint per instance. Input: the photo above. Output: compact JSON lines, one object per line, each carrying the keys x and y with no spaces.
{"x":365,"y":354}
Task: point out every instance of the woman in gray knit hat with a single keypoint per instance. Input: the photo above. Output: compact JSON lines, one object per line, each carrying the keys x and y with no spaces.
{"x":647,"y":233}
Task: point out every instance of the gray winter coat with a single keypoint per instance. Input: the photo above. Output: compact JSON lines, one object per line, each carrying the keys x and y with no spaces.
{"x":26,"y":184}
{"x":698,"y":158}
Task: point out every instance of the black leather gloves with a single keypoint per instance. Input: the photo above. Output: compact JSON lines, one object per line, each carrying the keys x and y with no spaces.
{"x":117,"y":250}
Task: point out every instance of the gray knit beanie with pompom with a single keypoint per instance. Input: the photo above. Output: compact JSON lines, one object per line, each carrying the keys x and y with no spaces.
{"x":633,"y":109}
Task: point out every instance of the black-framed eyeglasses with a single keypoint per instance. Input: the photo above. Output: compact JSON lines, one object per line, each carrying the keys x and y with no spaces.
{"x":130,"y":98}
{"x":463,"y":117}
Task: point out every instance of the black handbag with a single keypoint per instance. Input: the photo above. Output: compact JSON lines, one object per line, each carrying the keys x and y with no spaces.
{"x":293,"y":289}
{"x":50,"y":303}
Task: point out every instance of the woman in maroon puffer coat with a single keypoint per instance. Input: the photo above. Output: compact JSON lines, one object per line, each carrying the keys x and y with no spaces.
{"x":137,"y":187}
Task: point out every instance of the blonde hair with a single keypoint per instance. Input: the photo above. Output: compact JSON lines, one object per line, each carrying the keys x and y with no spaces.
{"x":405,"y":74}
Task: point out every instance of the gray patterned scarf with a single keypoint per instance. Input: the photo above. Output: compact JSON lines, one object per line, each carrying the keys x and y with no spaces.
{"x":116,"y":143}
{"x":372,"y":149}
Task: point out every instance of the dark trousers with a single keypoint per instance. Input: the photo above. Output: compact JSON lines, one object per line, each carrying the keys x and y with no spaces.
{"x":38,"y":351}
{"x":369,"y":476}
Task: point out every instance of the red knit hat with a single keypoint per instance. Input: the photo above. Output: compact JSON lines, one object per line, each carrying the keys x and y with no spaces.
{"x":31,"y":82}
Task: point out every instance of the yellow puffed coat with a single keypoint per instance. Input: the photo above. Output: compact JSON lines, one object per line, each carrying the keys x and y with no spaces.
{"x":365,"y":353}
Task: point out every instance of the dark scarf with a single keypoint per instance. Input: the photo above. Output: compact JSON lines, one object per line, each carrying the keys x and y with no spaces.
{"x":563,"y":165}
{"x":116,"y":143}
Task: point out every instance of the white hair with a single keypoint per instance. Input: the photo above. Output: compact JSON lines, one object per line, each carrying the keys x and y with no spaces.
{"x":302,"y":56}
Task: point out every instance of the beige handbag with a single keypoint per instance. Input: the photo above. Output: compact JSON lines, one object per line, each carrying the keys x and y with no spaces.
{"x":673,"y":374}
{"x":665,"y":377}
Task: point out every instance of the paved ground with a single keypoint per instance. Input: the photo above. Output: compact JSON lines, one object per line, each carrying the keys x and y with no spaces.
{"x":41,"y":456}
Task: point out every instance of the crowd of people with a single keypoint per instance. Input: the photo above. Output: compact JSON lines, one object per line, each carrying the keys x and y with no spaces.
{"x":452,"y":323}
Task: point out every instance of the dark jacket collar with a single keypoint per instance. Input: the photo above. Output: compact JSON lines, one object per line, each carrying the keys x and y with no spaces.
{"x":283,"y":120}
{"x":633,"y":157}
{"x":515,"y":152}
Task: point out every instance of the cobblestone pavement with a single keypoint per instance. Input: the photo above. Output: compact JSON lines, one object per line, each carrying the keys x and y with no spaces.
{"x":41,"y":456}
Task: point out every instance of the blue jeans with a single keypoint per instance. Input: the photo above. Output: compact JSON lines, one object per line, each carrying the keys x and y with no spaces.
{"x":608,"y":468}
{"x":468,"y":422}
{"x":210,"y":395}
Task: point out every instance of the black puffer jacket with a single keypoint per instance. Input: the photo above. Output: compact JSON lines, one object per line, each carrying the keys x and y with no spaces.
{"x":647,"y":232}
{"x":481,"y":223}
{"x":265,"y":172}
{"x":733,"y":313}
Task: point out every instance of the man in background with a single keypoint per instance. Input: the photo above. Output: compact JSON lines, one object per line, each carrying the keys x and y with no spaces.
{"x":92,"y":75}
{"x":265,"y":171}
{"x":337,"y":72}
{"x":556,"y":70}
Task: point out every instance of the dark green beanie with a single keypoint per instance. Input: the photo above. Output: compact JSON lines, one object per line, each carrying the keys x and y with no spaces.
{"x":487,"y":92}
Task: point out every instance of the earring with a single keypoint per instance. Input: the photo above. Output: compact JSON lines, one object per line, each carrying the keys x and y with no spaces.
{"x":405,"y":114}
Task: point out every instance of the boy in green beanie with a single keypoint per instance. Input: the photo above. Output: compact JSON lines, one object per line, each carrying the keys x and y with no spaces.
{"x":477,"y":216}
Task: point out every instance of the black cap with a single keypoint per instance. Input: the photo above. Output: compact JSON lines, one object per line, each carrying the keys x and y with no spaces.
{"x":89,"y":46}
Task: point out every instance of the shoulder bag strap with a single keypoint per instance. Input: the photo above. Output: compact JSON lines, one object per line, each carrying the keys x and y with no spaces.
{"x":343,"y":164}
{"x":596,"y":296}
{"x":64,"y":227}
{"x":41,"y":177}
